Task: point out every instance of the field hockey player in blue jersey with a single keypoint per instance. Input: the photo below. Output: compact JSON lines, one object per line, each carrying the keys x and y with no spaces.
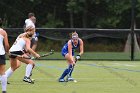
{"x":68,"y":52}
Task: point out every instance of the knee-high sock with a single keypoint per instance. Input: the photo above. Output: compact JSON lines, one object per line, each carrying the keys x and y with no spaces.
{"x":9,"y":72}
{"x":71,"y":71}
{"x":4,"y":82}
{"x":28,"y":70}
{"x":66,"y":72}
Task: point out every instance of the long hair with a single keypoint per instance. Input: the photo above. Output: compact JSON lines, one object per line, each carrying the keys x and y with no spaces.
{"x":28,"y":35}
{"x":29,"y":28}
{"x":29,"y":31}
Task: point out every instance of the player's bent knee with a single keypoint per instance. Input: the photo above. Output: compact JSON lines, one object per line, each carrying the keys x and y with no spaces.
{"x":33,"y":65}
{"x":70,"y":62}
{"x":14,"y":68}
{"x":18,"y":66}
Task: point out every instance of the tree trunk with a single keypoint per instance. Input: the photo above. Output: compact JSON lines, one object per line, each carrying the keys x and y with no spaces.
{"x":71,"y":20}
{"x":84,"y":17}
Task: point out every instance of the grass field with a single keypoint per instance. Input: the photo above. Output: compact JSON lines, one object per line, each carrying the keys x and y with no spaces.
{"x":92,"y":77}
{"x":98,"y":56}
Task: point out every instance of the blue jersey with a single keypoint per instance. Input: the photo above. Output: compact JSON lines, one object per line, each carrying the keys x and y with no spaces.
{"x":65,"y":48}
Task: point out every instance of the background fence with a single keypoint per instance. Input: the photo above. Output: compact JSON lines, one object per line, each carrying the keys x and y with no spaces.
{"x":99,"y":44}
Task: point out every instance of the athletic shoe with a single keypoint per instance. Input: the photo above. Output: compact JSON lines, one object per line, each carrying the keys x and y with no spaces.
{"x":3,"y":91}
{"x":70,"y":79}
{"x":8,"y":82}
{"x":27,"y":79}
{"x":61,"y":80}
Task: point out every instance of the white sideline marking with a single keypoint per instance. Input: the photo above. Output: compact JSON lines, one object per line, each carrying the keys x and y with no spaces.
{"x":129,"y":65}
{"x":54,"y":79}
{"x":121,"y":64}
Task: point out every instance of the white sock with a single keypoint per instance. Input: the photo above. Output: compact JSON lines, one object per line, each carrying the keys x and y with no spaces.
{"x":28,"y":70}
{"x":9,"y":72}
{"x":4,"y":82}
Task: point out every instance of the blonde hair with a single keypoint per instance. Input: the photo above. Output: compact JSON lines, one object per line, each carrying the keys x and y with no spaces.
{"x":28,"y":34}
{"x":29,"y":28}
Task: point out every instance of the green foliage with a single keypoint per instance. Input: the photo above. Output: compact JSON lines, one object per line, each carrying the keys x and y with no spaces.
{"x":111,"y":22}
{"x":47,"y":44}
{"x":52,"y":22}
{"x":104,"y":46}
{"x":5,"y":22}
{"x":72,"y":6}
{"x":138,"y":9}
{"x":100,"y":45}
{"x":115,"y":12}
{"x":56,"y":13}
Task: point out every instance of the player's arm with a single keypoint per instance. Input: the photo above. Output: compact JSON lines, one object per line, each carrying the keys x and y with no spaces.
{"x":81,"y":47}
{"x":28,"y":49}
{"x":81,"y":50}
{"x":6,"y":43}
{"x":70,"y":50}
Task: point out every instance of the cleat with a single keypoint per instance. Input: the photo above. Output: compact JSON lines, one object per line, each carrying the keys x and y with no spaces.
{"x":61,"y":80}
{"x":27,"y":79}
{"x":70,"y":79}
{"x":8,"y":82}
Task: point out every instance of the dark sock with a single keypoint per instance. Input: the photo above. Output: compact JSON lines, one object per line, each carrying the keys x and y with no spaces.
{"x":66,"y":72}
{"x":71,"y":71}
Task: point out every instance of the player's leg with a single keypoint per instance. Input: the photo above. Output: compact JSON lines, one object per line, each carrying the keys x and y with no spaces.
{"x":2,"y":73}
{"x":69,"y":78}
{"x":3,"y":78}
{"x":67,"y":70}
{"x":33,"y":46}
{"x":15,"y":64}
{"x":27,"y":54}
{"x":29,"y":67}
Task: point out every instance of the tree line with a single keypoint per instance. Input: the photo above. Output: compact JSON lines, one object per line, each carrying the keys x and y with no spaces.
{"x":70,"y":13}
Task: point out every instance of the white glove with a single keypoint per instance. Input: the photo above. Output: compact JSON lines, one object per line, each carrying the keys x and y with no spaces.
{"x":78,"y":57}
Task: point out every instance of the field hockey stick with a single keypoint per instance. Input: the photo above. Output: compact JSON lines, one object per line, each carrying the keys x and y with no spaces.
{"x":68,"y":75}
{"x":22,"y":56}
{"x":28,"y":57}
{"x":44,"y":55}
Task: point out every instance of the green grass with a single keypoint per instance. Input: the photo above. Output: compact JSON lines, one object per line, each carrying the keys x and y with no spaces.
{"x":92,"y":77}
{"x":98,"y":56}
